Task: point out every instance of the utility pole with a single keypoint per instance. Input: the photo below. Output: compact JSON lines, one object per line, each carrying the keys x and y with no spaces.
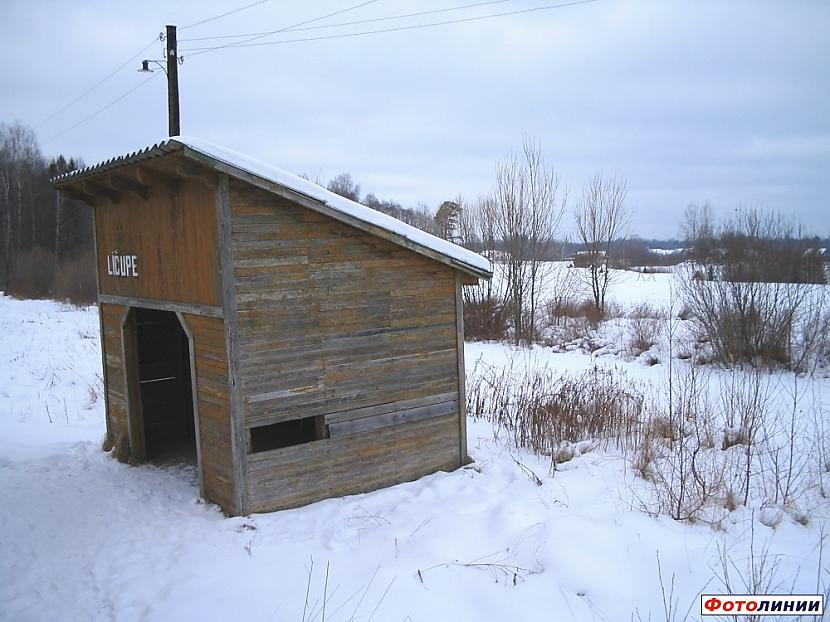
{"x":170,"y":66}
{"x":172,"y":82}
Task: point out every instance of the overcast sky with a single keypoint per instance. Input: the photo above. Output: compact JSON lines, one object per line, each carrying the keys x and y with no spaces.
{"x":719,"y":101}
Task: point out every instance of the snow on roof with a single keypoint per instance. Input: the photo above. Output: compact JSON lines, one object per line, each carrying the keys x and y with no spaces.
{"x":336,"y":202}
{"x":477,"y":263}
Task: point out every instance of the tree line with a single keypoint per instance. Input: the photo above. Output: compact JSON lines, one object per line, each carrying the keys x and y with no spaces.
{"x":46,"y":248}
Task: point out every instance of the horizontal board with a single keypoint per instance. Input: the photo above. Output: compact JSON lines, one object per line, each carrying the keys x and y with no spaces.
{"x":357,"y":463}
{"x":389,"y":407}
{"x":364,"y":424}
{"x":301,"y":406}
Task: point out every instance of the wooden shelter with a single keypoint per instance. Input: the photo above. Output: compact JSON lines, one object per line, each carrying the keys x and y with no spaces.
{"x":298,"y":344}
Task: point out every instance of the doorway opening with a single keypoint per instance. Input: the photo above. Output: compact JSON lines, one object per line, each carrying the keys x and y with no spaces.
{"x":166,"y":388}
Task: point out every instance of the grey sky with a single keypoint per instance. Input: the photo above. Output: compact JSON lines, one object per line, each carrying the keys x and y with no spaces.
{"x":719,"y":101}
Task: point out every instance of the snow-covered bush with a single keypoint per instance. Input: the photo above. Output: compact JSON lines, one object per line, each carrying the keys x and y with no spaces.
{"x":715,"y":441}
{"x":646,"y":324}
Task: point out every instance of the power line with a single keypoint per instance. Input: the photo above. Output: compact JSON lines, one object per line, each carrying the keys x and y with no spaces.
{"x":99,"y":83}
{"x":352,"y":23}
{"x":245,"y":44}
{"x":140,"y":84}
{"x":212,"y":19}
{"x":100,"y":110}
{"x":274,"y":32}
{"x":132,"y":58}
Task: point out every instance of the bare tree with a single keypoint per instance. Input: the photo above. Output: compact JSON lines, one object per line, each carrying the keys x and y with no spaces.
{"x":22,"y":187}
{"x":527,"y":210}
{"x":699,"y":231}
{"x":345,"y":186}
{"x":601,"y":219}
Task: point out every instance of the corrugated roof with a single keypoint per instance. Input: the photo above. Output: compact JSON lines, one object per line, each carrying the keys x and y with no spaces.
{"x":262,"y":170}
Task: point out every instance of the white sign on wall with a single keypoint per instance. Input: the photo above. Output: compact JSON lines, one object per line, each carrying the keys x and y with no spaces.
{"x":122,"y":265}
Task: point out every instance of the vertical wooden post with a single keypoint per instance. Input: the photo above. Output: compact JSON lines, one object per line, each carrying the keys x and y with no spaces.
{"x":104,"y":371}
{"x":239,"y":435}
{"x":130,"y":363}
{"x":172,"y":82}
{"x":462,"y":394}
{"x":194,"y":395}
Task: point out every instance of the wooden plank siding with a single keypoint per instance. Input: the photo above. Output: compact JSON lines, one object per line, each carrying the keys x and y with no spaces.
{"x":337,"y":322}
{"x":352,"y":464}
{"x":212,"y":384}
{"x":115,"y":380}
{"x":214,"y":419}
{"x":173,"y":234}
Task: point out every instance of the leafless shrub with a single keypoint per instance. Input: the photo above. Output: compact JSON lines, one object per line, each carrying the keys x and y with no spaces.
{"x":562,"y":298}
{"x":687,"y":480}
{"x":559,"y":312}
{"x":684,"y":314}
{"x":645,"y":311}
{"x":757,"y":323}
{"x":750,"y":292}
{"x":548,"y":413}
{"x":702,"y":456}
{"x":38,"y":274}
{"x":646,"y":325}
{"x":93,"y":394}
{"x":485,"y":315}
{"x":569,"y":322}
{"x":782,"y":473}
{"x":671,"y":603}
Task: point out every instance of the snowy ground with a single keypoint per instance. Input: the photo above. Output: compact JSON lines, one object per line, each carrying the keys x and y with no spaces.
{"x":83,"y":537}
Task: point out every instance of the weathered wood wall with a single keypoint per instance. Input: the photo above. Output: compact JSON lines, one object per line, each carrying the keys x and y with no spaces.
{"x":336,"y":322}
{"x":117,"y":422}
{"x":329,"y":322}
{"x":174,"y":235}
{"x":211,"y":382}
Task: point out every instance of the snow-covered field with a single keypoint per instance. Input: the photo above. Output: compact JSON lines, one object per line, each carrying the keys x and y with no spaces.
{"x":83,"y":537}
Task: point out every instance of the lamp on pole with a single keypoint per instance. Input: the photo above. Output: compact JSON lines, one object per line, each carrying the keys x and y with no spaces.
{"x":170,"y":66}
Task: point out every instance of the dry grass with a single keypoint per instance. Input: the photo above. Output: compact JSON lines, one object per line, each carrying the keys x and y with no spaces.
{"x":33,"y":274}
{"x":37,"y":274}
{"x":74,"y":280}
{"x":548,"y":412}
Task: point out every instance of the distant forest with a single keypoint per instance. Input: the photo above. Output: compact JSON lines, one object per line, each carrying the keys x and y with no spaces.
{"x":46,"y":248}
